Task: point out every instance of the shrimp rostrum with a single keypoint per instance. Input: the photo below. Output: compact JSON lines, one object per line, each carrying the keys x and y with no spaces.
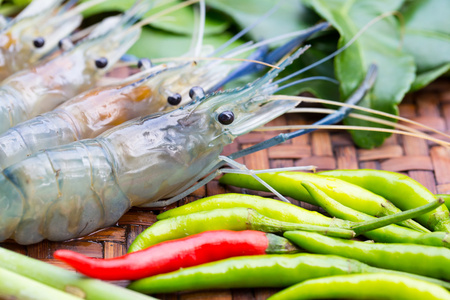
{"x":72,"y":190}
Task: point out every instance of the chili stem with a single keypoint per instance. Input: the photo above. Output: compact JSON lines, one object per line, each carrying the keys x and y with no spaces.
{"x":395,"y":218}
{"x":263,"y":223}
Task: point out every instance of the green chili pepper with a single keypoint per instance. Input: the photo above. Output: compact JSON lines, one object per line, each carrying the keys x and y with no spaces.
{"x":271,"y":208}
{"x":291,"y":213}
{"x":446,"y":198}
{"x":63,"y":280}
{"x":14,"y":286}
{"x":388,"y":234}
{"x":240,"y":218}
{"x":257,"y":271}
{"x":220,"y":219}
{"x":400,"y":189}
{"x":289,"y":184}
{"x":418,"y":259}
{"x":364,"y":286}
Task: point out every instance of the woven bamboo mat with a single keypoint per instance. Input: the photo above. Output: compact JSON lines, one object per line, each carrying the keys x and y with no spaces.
{"x":426,"y":162}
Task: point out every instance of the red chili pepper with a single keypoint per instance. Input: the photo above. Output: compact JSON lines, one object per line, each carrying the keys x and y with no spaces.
{"x":175,"y":254}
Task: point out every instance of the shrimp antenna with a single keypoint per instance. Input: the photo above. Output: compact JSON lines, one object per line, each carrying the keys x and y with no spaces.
{"x":271,"y":57}
{"x":68,"y":5}
{"x":213,"y":58}
{"x":201,"y":29}
{"x":330,"y":119}
{"x":247,"y":29}
{"x":357,"y":96}
{"x":307,"y":79}
{"x":365,"y":128}
{"x":80,"y":8}
{"x":351,"y":115}
{"x":365,"y":109}
{"x":340,"y":50}
{"x":119,"y":23}
{"x":169,"y":10}
{"x":320,"y":26}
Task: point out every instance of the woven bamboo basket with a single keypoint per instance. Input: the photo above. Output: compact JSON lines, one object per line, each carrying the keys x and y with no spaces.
{"x":424,"y":161}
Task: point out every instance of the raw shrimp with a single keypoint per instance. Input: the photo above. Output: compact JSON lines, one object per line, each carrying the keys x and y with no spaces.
{"x":72,"y":190}
{"x":95,"y":111}
{"x":41,"y":88}
{"x":35,"y":32}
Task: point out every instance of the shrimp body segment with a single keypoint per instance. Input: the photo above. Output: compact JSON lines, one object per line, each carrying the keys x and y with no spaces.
{"x":69,"y":191}
{"x":31,"y":92}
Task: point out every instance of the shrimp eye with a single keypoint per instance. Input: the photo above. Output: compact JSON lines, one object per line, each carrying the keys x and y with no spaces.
{"x":101,"y":62}
{"x":196,"y":92}
{"x":65,"y":44}
{"x":144,"y":63}
{"x":39,"y":42}
{"x":174,"y":99}
{"x":226,"y":117}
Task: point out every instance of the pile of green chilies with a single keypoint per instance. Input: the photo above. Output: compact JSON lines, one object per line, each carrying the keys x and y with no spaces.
{"x":408,"y":259}
{"x":385,"y":268}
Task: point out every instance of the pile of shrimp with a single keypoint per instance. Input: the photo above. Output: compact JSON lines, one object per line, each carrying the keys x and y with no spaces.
{"x":76,"y":156}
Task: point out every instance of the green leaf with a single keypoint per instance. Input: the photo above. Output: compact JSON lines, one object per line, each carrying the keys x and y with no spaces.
{"x":424,"y":78}
{"x":379,"y":45}
{"x":427,"y":38}
{"x":180,"y":21}
{"x":108,"y":6}
{"x":21,"y":3}
{"x":170,"y":45}
{"x":290,"y":16}
{"x":8,"y":9}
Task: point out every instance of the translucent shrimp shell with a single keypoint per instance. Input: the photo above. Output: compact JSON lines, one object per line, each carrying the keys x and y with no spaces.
{"x":69,"y":191}
{"x":31,"y":92}
{"x":95,"y":111}
{"x":41,"y":19}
